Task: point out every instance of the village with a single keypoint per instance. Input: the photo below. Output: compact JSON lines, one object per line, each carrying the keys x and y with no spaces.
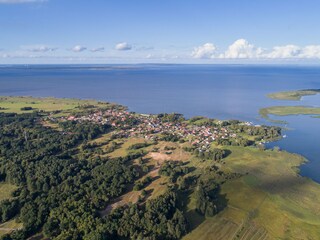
{"x":151,"y":127}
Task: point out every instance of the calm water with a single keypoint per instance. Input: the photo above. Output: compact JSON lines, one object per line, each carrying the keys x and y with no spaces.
{"x":217,"y":91}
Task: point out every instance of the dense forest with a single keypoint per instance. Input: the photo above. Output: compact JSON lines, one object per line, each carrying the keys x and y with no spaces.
{"x":65,"y":181}
{"x":56,"y":192}
{"x":62,"y":196}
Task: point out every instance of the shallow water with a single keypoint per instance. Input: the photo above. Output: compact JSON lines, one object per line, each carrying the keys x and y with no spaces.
{"x":217,"y":91}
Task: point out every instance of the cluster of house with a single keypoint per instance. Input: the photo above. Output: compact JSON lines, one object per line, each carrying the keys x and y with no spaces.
{"x":150,"y":126}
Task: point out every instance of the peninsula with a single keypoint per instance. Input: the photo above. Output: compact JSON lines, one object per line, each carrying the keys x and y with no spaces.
{"x":83,"y":169}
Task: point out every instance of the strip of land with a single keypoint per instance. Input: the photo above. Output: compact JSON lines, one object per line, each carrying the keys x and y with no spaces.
{"x":288,"y":110}
{"x":26,"y":104}
{"x":293,"y":95}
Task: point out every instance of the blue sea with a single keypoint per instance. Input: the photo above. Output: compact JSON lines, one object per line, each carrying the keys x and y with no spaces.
{"x":215,"y":91}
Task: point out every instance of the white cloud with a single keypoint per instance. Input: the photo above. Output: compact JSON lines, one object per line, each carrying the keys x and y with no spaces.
{"x":205,"y":51}
{"x":78,"y":48}
{"x":294,"y":52}
{"x":39,"y":48}
{"x":20,"y":1}
{"x":123,"y":46}
{"x":287,"y":51}
{"x":242,"y":49}
{"x":99,"y":49}
{"x":311,"y":51}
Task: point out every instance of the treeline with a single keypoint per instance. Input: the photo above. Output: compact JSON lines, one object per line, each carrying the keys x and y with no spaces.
{"x":215,"y":154}
{"x":263,"y":132}
{"x":207,"y":199}
{"x":259,"y":132}
{"x":202,"y":121}
{"x":238,"y":141}
{"x":85,"y":130}
{"x":212,"y":154}
{"x":170,"y":117}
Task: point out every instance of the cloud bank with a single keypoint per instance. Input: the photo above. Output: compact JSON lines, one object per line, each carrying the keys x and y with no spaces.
{"x":293,"y":51}
{"x":242,"y":49}
{"x":239,"y":50}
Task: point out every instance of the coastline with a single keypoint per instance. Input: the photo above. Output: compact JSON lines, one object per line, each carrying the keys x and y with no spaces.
{"x":72,"y":106}
{"x":265,"y":179}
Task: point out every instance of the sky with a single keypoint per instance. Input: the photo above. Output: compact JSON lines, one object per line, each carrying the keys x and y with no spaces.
{"x":159,"y":31}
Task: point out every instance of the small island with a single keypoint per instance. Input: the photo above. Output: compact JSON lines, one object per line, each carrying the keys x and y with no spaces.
{"x":290,"y":110}
{"x":293,"y":95}
{"x":83,"y":169}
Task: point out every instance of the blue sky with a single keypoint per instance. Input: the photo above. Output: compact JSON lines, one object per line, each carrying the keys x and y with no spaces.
{"x":177,"y":31}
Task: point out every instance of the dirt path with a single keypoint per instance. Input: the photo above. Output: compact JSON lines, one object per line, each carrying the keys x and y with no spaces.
{"x":8,"y":229}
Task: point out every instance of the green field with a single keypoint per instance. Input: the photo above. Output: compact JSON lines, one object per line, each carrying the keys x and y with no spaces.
{"x":293,"y":95}
{"x":270,"y":202}
{"x":14,"y":104}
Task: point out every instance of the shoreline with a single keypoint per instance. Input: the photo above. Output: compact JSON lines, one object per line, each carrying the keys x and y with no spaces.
{"x":73,"y":103}
{"x":253,"y":179}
